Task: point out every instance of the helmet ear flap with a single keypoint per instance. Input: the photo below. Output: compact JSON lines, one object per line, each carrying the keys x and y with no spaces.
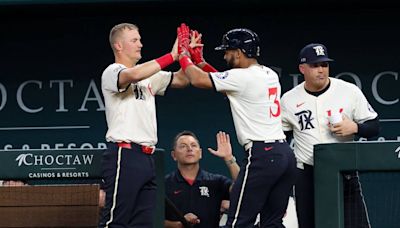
{"x":253,"y":48}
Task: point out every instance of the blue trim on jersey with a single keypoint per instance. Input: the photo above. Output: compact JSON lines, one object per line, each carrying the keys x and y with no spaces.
{"x":212,"y":82}
{"x":169,"y":84}
{"x":118,"y":82}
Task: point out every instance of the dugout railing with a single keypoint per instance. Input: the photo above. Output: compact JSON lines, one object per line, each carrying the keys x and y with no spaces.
{"x":62,"y":190}
{"x":382,"y":194}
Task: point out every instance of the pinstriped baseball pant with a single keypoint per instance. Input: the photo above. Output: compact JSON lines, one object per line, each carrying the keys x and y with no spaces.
{"x":129,"y":183}
{"x":263,"y":186}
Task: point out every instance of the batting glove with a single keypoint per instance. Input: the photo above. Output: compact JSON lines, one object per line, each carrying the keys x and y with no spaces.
{"x":196,"y":52}
{"x":183,"y":39}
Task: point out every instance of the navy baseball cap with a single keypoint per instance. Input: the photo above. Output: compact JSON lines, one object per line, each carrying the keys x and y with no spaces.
{"x":314,"y":53}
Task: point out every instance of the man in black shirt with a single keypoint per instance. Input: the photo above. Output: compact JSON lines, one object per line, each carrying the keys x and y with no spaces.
{"x":198,"y":194}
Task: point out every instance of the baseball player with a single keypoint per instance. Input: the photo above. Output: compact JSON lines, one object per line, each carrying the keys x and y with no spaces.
{"x":325,"y":110}
{"x":198,"y":194}
{"x":268,"y":171}
{"x":129,"y":92}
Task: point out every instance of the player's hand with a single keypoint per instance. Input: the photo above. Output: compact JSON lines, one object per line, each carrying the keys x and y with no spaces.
{"x":174,"y":51}
{"x":196,"y":47}
{"x":224,"y":148}
{"x":102,"y":198}
{"x":224,"y":206}
{"x":183,"y":40}
{"x":192,"y":218}
{"x":345,"y":128}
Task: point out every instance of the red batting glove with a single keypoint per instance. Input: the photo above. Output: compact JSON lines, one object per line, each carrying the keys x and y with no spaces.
{"x":183,"y":39}
{"x":197,"y":52}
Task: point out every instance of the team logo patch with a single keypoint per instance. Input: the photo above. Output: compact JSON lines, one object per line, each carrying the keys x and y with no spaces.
{"x":204,"y":191}
{"x":221,"y":75}
{"x":305,"y":117}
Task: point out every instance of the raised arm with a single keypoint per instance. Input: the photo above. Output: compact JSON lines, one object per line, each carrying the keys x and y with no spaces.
{"x":197,"y":76}
{"x":196,"y":52}
{"x":224,"y":151}
{"x":147,"y":69}
{"x":179,"y":79}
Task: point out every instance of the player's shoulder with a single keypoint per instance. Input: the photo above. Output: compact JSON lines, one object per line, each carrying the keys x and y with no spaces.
{"x":170,"y":176}
{"x":294,"y":92}
{"x":208,"y":176}
{"x":262,"y":70}
{"x":343,"y":85}
{"x":233,"y":75}
{"x":268,"y":69}
{"x":250,"y":70}
{"x":113,"y":68}
{"x":235,"y":71}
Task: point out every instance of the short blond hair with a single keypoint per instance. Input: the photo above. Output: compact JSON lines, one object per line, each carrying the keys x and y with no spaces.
{"x":117,"y":30}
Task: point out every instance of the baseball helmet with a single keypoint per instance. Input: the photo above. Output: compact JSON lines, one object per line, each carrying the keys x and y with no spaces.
{"x":243,"y":39}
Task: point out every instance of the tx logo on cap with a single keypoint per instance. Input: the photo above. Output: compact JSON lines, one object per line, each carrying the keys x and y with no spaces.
{"x":314,"y":53}
{"x":319,"y":50}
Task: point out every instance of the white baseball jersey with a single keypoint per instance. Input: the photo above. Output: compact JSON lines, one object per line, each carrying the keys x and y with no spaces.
{"x":131,"y":111}
{"x":308,"y":115}
{"x":254,"y":96}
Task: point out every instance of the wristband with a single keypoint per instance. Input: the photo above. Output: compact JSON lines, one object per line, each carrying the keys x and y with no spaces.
{"x":185,"y":62}
{"x":232,"y":161}
{"x":208,"y":68}
{"x":165,"y":60}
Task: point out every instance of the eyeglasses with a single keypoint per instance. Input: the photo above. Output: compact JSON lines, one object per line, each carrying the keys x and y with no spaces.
{"x":322,"y":64}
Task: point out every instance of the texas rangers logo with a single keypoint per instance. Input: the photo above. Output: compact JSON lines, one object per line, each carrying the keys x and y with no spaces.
{"x":305,"y":118}
{"x":319,"y":50}
{"x":204,"y":191}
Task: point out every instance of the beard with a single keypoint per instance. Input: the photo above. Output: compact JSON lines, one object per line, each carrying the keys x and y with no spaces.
{"x":230,"y":62}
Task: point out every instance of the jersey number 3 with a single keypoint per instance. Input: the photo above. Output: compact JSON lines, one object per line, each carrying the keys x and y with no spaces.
{"x":273,"y":92}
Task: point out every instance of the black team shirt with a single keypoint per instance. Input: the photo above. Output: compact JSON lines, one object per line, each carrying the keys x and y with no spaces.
{"x":202,"y":197}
